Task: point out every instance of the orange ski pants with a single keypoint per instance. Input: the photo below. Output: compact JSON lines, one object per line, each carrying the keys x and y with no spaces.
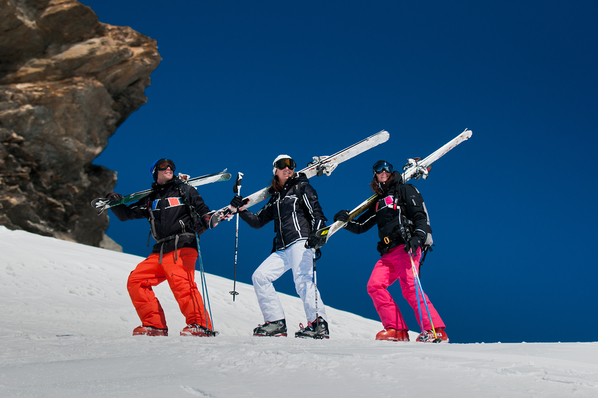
{"x":180,"y":275}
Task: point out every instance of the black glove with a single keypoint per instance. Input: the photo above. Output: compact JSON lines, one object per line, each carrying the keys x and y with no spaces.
{"x":238,"y":201}
{"x":114,"y":196}
{"x":342,"y":216}
{"x":315,"y":241}
{"x":415,"y":242}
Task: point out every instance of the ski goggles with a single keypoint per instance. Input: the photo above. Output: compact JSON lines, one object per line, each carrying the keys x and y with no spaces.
{"x":286,"y":162}
{"x":381,"y":166}
{"x":166,"y":164}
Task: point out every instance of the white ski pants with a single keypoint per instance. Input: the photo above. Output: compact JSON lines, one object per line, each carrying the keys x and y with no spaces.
{"x":299,"y":259}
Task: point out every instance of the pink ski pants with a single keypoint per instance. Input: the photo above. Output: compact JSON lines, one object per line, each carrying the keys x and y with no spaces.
{"x":392,"y":266}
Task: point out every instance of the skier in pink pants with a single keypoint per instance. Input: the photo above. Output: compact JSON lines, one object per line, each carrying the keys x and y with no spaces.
{"x":399,"y":206}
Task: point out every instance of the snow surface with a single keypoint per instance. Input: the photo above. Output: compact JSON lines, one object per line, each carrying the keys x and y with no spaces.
{"x":67,"y":322}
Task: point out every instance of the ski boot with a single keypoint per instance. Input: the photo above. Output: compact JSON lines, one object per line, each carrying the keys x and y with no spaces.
{"x":317,"y":329}
{"x":196,"y":330}
{"x":149,"y":331}
{"x":428,"y":336}
{"x":274,"y":329}
{"x":393,"y":335}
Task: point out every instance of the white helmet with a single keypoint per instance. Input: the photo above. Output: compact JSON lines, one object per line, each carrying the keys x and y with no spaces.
{"x":279,"y":157}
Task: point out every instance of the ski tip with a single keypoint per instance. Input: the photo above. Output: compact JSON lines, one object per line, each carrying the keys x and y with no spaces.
{"x":467,"y":133}
{"x":380,"y":137}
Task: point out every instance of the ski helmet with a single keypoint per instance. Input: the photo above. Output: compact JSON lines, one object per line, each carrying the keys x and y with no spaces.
{"x":382,"y":165}
{"x":154,"y":169}
{"x":283,"y":161}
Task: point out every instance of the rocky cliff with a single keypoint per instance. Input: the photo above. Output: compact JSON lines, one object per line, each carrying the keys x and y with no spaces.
{"x":67,"y":81}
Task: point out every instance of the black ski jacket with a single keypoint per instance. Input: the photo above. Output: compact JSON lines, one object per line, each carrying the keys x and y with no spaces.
{"x":169,"y":218}
{"x":295,"y":210}
{"x":386,"y":214}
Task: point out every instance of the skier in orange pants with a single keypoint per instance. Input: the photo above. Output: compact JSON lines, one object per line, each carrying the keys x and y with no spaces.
{"x":176,"y":213}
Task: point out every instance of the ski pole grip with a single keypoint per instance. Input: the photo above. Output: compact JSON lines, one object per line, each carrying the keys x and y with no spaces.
{"x":237,"y":186}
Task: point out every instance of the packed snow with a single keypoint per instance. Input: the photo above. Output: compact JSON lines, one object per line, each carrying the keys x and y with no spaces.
{"x":67,"y":322}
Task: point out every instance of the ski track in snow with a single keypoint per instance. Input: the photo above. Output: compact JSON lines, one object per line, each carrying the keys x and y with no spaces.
{"x":66,"y":331}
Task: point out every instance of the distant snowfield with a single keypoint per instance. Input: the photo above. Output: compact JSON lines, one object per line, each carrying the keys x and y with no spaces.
{"x":66,"y":332}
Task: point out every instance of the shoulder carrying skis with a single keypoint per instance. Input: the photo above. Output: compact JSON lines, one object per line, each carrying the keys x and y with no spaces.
{"x":415,"y":168}
{"x":101,"y":204}
{"x":319,"y":166}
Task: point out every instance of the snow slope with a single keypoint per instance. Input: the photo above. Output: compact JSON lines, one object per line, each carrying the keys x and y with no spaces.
{"x":66,"y":332}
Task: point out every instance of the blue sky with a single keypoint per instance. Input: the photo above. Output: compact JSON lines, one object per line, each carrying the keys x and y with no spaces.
{"x":512,"y":209}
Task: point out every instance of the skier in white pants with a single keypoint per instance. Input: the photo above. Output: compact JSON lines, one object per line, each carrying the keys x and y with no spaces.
{"x":295,"y":209}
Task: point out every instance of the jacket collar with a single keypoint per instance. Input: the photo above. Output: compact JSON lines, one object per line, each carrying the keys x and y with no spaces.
{"x":161,"y":187}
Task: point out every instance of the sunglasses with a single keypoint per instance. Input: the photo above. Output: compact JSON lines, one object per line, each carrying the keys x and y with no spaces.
{"x":381,"y":166}
{"x":166,"y":164}
{"x":286,"y":162}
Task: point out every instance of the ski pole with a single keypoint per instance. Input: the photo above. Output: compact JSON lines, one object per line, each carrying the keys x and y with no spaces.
{"x":204,"y":286}
{"x":421,"y":289}
{"x":419,"y":308}
{"x":406,"y":234}
{"x":315,"y":252}
{"x":237,"y":190}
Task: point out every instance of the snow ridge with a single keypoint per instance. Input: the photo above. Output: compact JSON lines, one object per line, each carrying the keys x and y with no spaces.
{"x":66,"y":331}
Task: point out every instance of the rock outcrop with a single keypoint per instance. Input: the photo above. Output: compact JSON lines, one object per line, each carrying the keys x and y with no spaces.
{"x":67,"y":82}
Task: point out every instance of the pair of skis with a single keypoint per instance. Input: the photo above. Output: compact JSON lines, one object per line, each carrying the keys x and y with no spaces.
{"x":415,"y":168}
{"x":101,"y":204}
{"x":319,"y":166}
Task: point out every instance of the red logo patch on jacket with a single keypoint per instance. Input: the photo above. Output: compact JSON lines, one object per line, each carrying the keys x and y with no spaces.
{"x":172,"y":202}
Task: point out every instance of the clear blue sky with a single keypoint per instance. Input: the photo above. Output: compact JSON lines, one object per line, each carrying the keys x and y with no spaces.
{"x":513,"y":209}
